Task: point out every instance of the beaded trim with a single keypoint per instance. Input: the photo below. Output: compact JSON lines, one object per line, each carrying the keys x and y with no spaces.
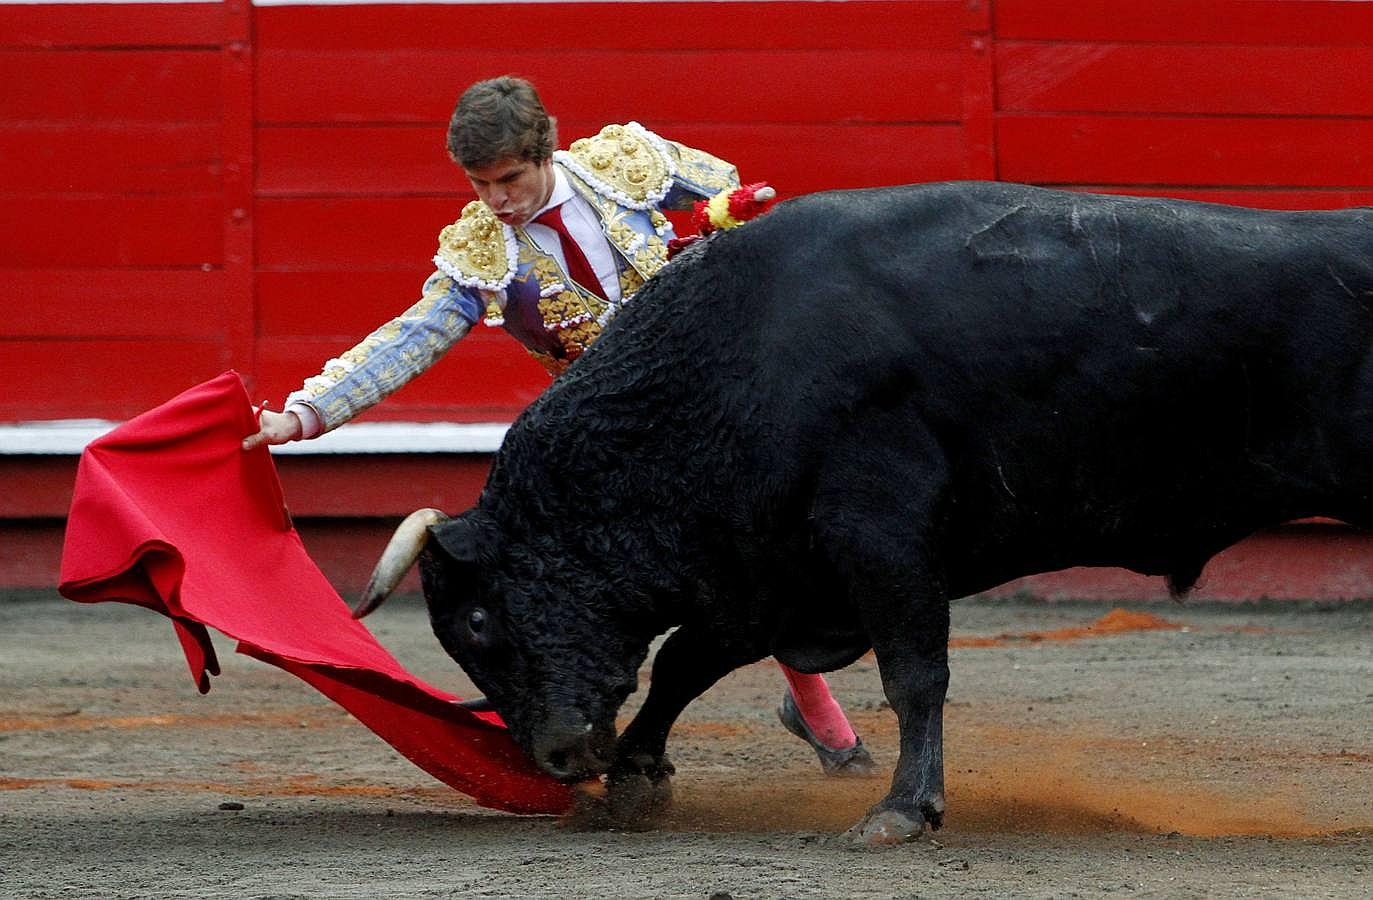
{"x":478,"y":250}
{"x":603,"y":163}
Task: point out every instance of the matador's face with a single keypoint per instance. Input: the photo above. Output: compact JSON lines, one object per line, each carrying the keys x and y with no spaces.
{"x":515,"y":189}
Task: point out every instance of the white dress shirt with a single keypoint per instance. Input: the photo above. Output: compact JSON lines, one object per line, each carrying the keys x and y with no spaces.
{"x":585,"y":227}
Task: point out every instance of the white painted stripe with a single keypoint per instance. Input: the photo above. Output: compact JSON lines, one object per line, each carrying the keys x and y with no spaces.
{"x":70,"y":436}
{"x":57,"y":437}
{"x":404,"y":437}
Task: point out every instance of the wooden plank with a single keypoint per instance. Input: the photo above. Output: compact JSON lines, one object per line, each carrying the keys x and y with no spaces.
{"x":102,"y":379}
{"x":345,"y":485}
{"x":54,"y":26}
{"x":237,"y":130}
{"x":134,"y":158}
{"x":31,"y":553}
{"x":403,"y":159}
{"x":406,"y":85}
{"x":112,"y":303}
{"x":113,"y":231}
{"x":351,"y":233}
{"x":390,"y":485}
{"x":1196,"y":79}
{"x":110,"y":85}
{"x":1290,"y":22}
{"x":300,"y":161}
{"x":487,"y":377}
{"x":804,"y":158}
{"x":979,"y":92}
{"x":1186,"y":151}
{"x":291,"y":305}
{"x":897,"y":25}
{"x":36,"y":486}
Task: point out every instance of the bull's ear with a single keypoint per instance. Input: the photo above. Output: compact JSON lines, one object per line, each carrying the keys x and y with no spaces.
{"x":464,"y":539}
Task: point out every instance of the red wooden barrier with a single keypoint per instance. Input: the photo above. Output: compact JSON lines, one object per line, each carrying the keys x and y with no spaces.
{"x":188,"y":187}
{"x":209,"y":184}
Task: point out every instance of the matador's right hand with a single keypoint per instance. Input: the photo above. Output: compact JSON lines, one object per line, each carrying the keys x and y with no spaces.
{"x":274,"y":428}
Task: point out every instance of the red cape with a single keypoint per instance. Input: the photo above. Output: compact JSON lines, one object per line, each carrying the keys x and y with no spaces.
{"x":170,"y":513}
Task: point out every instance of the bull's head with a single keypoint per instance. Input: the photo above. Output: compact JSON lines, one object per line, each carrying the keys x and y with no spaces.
{"x":536,"y":635}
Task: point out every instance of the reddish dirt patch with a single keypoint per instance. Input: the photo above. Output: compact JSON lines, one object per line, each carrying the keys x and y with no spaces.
{"x":299,"y":786}
{"x":1071,"y":792}
{"x":1020,"y":781}
{"x":1117,"y":621}
{"x":79,"y":721}
{"x":707,"y":730}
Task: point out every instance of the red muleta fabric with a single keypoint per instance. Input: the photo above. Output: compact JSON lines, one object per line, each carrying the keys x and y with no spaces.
{"x":171,"y":514}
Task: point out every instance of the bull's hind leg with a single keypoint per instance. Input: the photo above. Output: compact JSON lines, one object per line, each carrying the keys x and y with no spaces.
{"x":638,"y":785}
{"x":911,"y":644}
{"x":873,"y":518}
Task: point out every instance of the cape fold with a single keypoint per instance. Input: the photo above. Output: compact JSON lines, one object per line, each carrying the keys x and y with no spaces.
{"x":171,"y":514}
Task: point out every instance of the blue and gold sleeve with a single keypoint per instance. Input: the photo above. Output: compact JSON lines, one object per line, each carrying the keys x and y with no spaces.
{"x":389,"y":357}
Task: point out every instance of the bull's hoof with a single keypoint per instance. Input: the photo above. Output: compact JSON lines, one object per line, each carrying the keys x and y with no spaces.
{"x":885,"y":828}
{"x":890,"y":822}
{"x":635,"y":801}
{"x":590,"y":810}
{"x":635,"y":797}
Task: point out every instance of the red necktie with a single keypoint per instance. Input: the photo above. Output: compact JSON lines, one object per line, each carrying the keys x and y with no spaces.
{"x":578,"y":268}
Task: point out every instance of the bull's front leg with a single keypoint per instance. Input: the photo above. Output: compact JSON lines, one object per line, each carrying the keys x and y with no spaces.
{"x":639,"y":785}
{"x":911,"y":646}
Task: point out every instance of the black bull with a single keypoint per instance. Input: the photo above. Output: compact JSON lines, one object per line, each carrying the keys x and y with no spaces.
{"x":806,"y":435}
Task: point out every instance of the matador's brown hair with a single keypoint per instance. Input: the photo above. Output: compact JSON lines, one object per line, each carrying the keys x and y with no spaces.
{"x":502,"y":118}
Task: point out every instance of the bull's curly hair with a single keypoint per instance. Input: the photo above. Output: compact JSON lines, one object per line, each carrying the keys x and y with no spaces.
{"x":501,"y":118}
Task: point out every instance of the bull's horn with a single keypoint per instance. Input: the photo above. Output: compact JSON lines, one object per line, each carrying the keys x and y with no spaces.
{"x":400,"y":554}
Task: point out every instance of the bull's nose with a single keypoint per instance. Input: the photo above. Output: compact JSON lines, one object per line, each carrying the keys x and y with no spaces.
{"x":569,"y":749}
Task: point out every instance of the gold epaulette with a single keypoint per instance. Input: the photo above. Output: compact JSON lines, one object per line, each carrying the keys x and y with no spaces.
{"x":626,"y":163}
{"x":477,"y":251}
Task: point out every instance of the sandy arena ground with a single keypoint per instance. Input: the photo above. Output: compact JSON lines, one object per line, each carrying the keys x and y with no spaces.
{"x":1160,"y":750}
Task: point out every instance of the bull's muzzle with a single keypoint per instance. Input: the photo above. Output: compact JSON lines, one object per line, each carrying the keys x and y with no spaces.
{"x":570,"y":749}
{"x":400,"y":554}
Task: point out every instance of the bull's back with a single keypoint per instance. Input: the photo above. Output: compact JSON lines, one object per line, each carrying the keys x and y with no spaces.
{"x":1098,"y":371}
{"x":1066,"y":324}
{"x":971,"y":268}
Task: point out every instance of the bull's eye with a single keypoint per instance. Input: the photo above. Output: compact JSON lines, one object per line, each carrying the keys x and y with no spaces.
{"x":476,"y":620}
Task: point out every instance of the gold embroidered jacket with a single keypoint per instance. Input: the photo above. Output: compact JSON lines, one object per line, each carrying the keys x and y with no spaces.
{"x":483,"y":267}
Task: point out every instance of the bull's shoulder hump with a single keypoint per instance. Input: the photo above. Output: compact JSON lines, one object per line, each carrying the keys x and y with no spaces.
{"x":879,"y":206}
{"x":1051,"y":200}
{"x":904,"y":201}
